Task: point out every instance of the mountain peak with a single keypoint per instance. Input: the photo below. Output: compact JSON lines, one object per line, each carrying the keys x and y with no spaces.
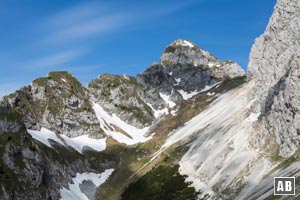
{"x":185,"y":52}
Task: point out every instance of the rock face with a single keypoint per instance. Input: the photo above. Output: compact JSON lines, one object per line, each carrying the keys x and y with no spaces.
{"x":124,"y":96}
{"x":185,"y":66}
{"x":27,"y":165}
{"x":57,"y":102}
{"x":274,"y":64}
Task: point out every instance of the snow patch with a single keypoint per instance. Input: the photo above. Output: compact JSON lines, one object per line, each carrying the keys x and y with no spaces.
{"x":77,"y":143}
{"x":158,"y":113}
{"x":178,"y":80}
{"x":208,"y":87}
{"x":211,"y":94}
{"x":211,"y":65}
{"x":109,"y":122}
{"x":166,"y":98}
{"x":64,"y":80}
{"x":44,"y":135}
{"x":184,"y":43}
{"x":74,"y":192}
{"x":165,"y":111}
{"x":254,"y":117}
{"x":187,"y":95}
{"x":173,"y":112}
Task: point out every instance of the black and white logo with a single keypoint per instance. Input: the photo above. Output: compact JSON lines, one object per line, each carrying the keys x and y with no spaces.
{"x":284,"y":185}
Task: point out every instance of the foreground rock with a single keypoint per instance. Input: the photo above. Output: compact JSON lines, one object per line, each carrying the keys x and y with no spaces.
{"x":275,"y":66}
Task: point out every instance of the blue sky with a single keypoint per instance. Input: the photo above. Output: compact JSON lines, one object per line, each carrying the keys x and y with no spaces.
{"x":89,"y":38}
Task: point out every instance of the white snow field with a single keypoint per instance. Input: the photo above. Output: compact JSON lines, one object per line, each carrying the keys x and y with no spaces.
{"x":74,"y":192}
{"x":109,"y":122}
{"x":77,"y":143}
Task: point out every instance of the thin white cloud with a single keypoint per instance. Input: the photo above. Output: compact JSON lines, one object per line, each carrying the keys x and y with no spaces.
{"x":170,"y":9}
{"x":86,"y":28}
{"x":56,"y":59}
{"x":72,"y":14}
{"x":92,"y":19}
{"x":80,"y":22}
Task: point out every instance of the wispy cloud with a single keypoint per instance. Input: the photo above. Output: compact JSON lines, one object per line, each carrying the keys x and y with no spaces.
{"x":168,"y":9}
{"x":86,"y":28}
{"x":93,"y":19}
{"x":53,"y":59}
{"x":80,"y":22}
{"x":67,"y":16}
{"x":73,"y":25}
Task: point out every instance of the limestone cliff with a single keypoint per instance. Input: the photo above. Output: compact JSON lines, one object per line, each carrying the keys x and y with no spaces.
{"x":274,"y":65}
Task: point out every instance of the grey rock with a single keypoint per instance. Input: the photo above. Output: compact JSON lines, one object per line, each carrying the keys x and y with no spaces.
{"x":57,"y":102}
{"x":31,"y":171}
{"x":8,"y":126}
{"x":185,"y":66}
{"x":274,"y":65}
{"x":127,"y":98}
{"x":88,"y":188}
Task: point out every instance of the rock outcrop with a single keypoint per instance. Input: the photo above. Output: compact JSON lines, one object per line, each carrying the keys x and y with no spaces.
{"x":128,"y":99}
{"x":185,"y":66}
{"x":57,"y":102}
{"x":275,"y":67}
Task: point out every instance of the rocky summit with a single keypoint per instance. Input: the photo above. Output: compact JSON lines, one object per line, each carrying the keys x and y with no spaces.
{"x":191,"y":126}
{"x":58,"y":102}
{"x":184,"y":66}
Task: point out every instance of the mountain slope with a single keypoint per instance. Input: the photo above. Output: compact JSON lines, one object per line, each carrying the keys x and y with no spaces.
{"x":249,"y":135}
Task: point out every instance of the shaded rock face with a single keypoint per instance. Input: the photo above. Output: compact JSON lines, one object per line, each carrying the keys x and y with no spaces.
{"x":157,"y":76}
{"x":128,"y":99}
{"x":8,"y":126}
{"x":185,"y":66}
{"x":274,"y":64}
{"x":57,"y":102}
{"x":27,"y":165}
